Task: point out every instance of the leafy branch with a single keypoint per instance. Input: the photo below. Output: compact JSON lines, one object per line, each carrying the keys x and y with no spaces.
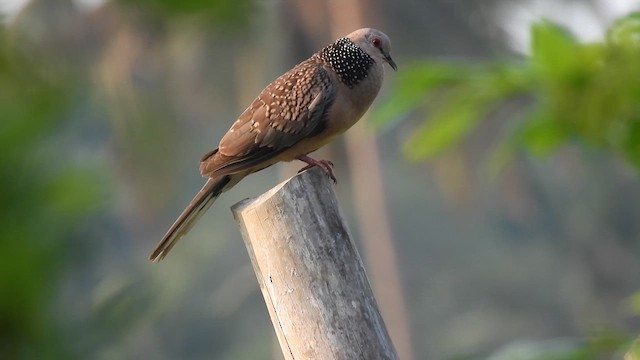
{"x":585,"y":92}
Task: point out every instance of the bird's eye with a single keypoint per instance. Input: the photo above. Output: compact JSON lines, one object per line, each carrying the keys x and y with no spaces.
{"x":376,"y":42}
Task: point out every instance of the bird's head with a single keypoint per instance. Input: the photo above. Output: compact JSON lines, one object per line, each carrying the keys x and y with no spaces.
{"x":375,"y":43}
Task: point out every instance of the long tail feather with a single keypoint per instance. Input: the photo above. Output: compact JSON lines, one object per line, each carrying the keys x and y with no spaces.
{"x":198,"y":206}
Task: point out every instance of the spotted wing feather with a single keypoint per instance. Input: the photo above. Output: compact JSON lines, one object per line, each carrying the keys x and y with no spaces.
{"x":290,"y":109}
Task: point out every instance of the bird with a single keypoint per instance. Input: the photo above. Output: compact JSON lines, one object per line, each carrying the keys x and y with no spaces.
{"x":299,"y":112}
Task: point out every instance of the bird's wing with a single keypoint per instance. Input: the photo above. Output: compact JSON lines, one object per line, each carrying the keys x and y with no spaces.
{"x":290,"y":109}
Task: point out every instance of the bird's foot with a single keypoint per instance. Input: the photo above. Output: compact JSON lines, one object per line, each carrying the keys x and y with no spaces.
{"x":325,"y":165}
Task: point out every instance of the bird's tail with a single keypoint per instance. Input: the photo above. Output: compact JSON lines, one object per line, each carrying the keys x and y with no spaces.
{"x":198,"y":206}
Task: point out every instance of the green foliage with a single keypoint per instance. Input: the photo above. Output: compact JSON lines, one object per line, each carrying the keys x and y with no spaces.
{"x":603,"y":344}
{"x":634,"y":303}
{"x":634,"y":351}
{"x":228,"y":13}
{"x":588,"y":93}
{"x":41,"y":200}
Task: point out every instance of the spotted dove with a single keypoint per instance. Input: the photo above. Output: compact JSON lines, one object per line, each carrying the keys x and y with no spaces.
{"x":295,"y":115}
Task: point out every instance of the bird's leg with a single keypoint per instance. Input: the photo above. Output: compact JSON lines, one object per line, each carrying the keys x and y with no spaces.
{"x":325,"y":165}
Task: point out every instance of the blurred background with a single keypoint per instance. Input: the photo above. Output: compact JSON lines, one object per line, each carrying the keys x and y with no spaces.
{"x":493,"y":188}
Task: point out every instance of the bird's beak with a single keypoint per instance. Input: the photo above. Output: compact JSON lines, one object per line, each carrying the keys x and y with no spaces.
{"x":391,"y":62}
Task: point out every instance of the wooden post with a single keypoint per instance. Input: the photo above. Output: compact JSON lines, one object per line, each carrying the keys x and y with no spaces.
{"x":310,"y":273}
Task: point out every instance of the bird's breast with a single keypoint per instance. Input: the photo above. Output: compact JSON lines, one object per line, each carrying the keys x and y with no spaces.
{"x":352,"y":103}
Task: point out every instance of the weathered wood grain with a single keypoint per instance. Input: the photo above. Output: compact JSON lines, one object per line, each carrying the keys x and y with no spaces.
{"x":310,"y":273}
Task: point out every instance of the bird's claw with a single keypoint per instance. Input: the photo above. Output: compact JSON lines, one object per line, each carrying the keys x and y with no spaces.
{"x":325,"y":165}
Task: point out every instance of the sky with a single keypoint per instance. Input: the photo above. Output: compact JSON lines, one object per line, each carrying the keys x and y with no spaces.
{"x":588,"y":20}
{"x":9,"y":8}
